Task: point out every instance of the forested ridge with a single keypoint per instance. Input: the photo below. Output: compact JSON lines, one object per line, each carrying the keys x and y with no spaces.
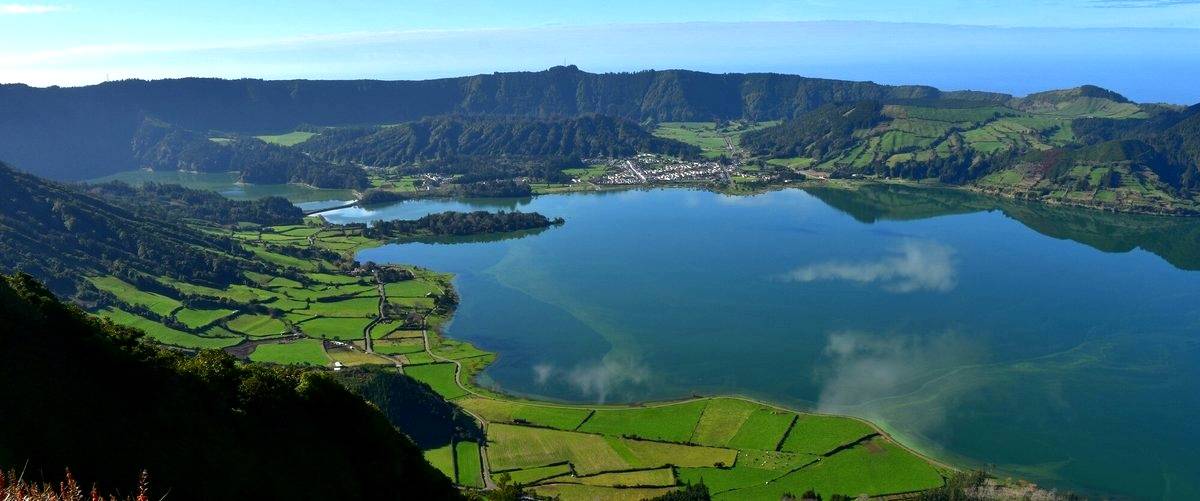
{"x":181,"y":203}
{"x":85,"y":132}
{"x":161,"y":146}
{"x":448,"y":137}
{"x":59,"y":234}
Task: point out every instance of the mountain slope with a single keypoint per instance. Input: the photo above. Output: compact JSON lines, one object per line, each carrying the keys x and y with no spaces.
{"x":160,"y":146}
{"x":84,"y":394}
{"x":85,"y":132}
{"x":445,"y":137}
{"x":59,"y":233}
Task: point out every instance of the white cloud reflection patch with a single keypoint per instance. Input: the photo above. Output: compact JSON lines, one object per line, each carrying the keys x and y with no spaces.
{"x":913,"y":265}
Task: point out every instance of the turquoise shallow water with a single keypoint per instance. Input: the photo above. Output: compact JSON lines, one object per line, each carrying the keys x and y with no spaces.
{"x":1057,"y":345}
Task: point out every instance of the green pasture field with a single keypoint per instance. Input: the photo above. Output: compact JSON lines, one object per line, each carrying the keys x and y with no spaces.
{"x":289,"y":139}
{"x":706,"y":135}
{"x":469,"y":469}
{"x":383,"y":328}
{"x":415,"y":303}
{"x":672,"y":423}
{"x":442,"y":458}
{"x":258,"y":278}
{"x":344,"y":329}
{"x":440,"y":377}
{"x":721,"y":420}
{"x":297,"y":230}
{"x":534,"y":475}
{"x":285,"y":283}
{"x":348,"y":291}
{"x":455,"y":350}
{"x":659,"y":477}
{"x":649,"y":454}
{"x":816,"y":434}
{"x":282,"y":303}
{"x":584,"y":174}
{"x":702,"y":134}
{"x":355,"y":307}
{"x":572,"y":492}
{"x":302,"y":352}
{"x":391,"y":347}
{"x":507,"y":411}
{"x":417,"y":358}
{"x":257,"y":325}
{"x":411,"y":288}
{"x":721,"y":480}
{"x":215,"y":331}
{"x":763,"y":430}
{"x":355,"y":357}
{"x":331,"y":279}
{"x":164,"y":334}
{"x":792,"y":162}
{"x":280,"y":259}
{"x":232,"y":294}
{"x":130,"y":294}
{"x":404,"y":334}
{"x":956,"y":115}
{"x":875,"y":468}
{"x":196,"y":319}
{"x":519,"y":447}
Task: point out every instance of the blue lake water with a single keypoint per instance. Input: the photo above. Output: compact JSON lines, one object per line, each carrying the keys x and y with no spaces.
{"x":1057,"y":345}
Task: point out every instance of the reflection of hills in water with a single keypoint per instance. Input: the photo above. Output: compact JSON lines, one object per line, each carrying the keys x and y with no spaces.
{"x":1175,"y":239}
{"x":492,"y":204}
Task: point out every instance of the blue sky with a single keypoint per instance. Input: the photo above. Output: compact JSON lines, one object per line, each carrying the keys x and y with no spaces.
{"x":1145,"y":48}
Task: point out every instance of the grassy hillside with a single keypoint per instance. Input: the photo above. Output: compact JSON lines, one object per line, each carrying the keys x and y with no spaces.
{"x":1125,"y":156}
{"x":89,"y":395}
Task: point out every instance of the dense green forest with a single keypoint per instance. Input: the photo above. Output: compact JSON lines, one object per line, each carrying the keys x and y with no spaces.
{"x":83,"y":393}
{"x":461,"y":223}
{"x":85,"y":132}
{"x":457,"y":136}
{"x":60,"y":233}
{"x":181,"y":203}
{"x":160,"y":146}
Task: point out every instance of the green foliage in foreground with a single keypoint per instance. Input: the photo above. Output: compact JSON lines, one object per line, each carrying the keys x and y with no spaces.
{"x":120,"y":405}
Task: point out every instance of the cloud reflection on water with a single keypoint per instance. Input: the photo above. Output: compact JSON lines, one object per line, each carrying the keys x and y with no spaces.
{"x":915,"y":265}
{"x":870,"y":374}
{"x":597,"y":380}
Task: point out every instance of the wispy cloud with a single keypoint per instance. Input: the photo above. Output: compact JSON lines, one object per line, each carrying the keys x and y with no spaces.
{"x":914,"y":265}
{"x":17,"y":8}
{"x":1142,"y":4}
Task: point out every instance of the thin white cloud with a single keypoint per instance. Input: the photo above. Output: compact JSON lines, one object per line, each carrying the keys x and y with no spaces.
{"x":16,"y":9}
{"x":914,"y":265}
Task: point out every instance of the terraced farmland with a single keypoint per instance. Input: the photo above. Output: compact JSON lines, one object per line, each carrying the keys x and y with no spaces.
{"x":306,"y":311}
